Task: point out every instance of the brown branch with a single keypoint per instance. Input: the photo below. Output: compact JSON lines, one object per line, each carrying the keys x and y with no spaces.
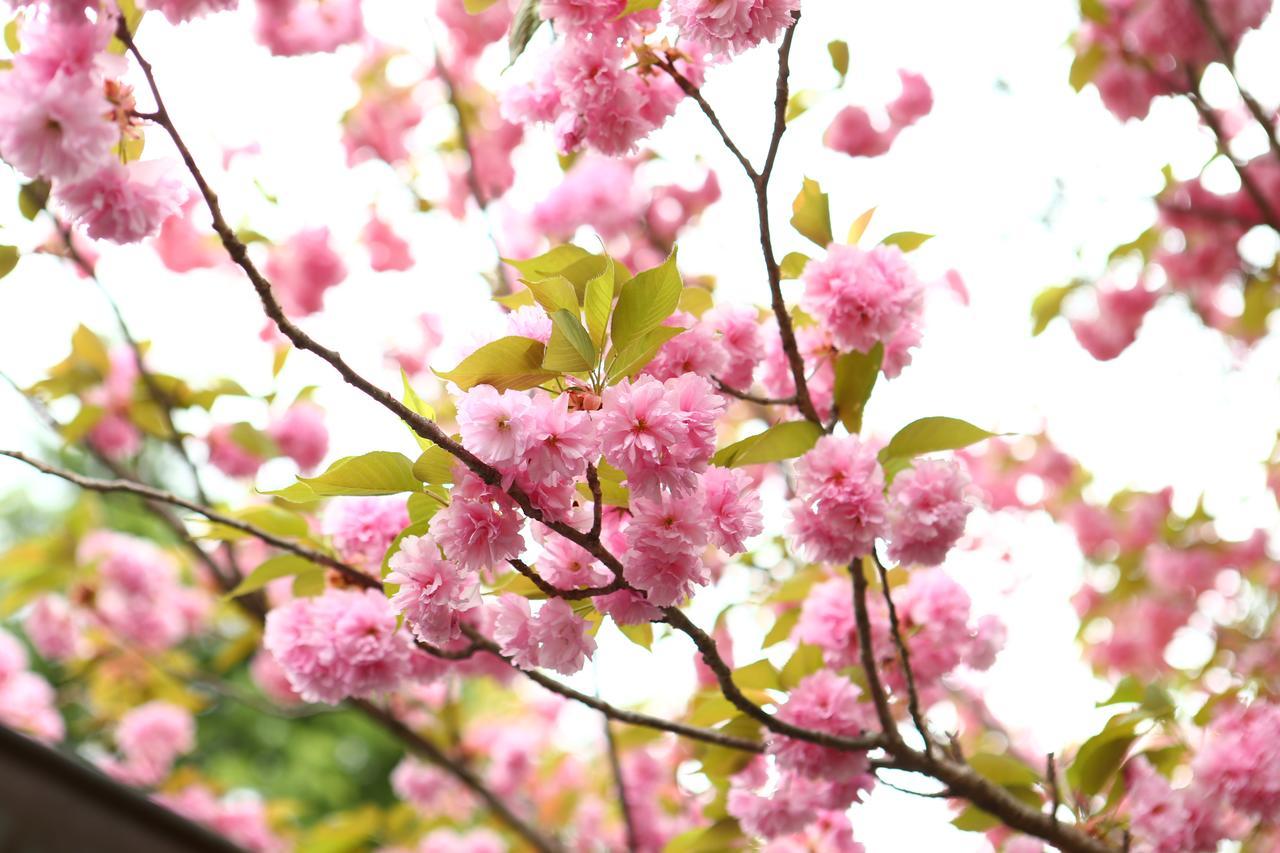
{"x":760,"y":183}
{"x":612,"y":711}
{"x":752,"y":398}
{"x":130,"y":487}
{"x":597,"y":508}
{"x":1055,"y":796}
{"x":554,"y":591}
{"x":615,"y":765}
{"x":460,"y":772}
{"x":1210,"y":119}
{"x":1205,"y":14}
{"x":895,"y":628}
{"x":868,"y":655}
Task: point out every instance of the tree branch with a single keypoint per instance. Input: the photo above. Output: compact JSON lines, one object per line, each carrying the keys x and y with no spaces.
{"x":128,"y":486}
{"x":895,"y":628}
{"x":628,"y":821}
{"x":1268,"y":123}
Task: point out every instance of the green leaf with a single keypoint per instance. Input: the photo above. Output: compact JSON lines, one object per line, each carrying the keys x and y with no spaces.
{"x":475,"y":7}
{"x":644,"y":302}
{"x":281,"y":566}
{"x":839,"y":51}
{"x":793,"y":265}
{"x":859,"y":226}
{"x":929,"y":435}
{"x":510,"y":362}
{"x":519,"y":299}
{"x":435,"y":465}
{"x":611,"y":489}
{"x":84,"y":421}
{"x":707,"y":709}
{"x":907,"y":241}
{"x":782,"y":627}
{"x":8,"y":259}
{"x":549,"y":264}
{"x":811,"y":213}
{"x":570,"y":349}
{"x":1004,"y":769}
{"x":273,"y":519}
{"x":1086,"y":65}
{"x":1100,"y":756}
{"x":641,"y":352}
{"x":695,"y":301}
{"x":1129,"y":689}
{"x":419,"y":405}
{"x":380,"y":472}
{"x":597,"y":303}
{"x":856,"y":375}
{"x":554,"y":293}
{"x":723,"y":835}
{"x":523,"y":26}
{"x":248,"y":438}
{"x":805,"y":661}
{"x":1094,"y":10}
{"x":1048,"y":304}
{"x":760,"y":675}
{"x":11,"y":36}
{"x":641,"y":635}
{"x":783,"y":441}
{"x":32,"y":198}
{"x":634,"y":6}
{"x":309,"y":584}
{"x":297,"y":493}
{"x":798,"y":104}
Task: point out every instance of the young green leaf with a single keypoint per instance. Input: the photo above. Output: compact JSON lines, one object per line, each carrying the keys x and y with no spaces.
{"x":811,"y":213}
{"x":523,"y":26}
{"x":281,"y":566}
{"x":644,"y":302}
{"x":380,"y":472}
{"x":907,"y":241}
{"x":510,"y":362}
{"x":1048,"y":304}
{"x":597,"y":303}
{"x":570,"y":349}
{"x":784,"y":441}
{"x":548,"y":264}
{"x":640,"y":353}
{"x":793,"y":264}
{"x":859,"y":226}
{"x":8,"y":259}
{"x":839,"y":51}
{"x":554,"y":293}
{"x":929,"y":435}
{"x":856,"y":375}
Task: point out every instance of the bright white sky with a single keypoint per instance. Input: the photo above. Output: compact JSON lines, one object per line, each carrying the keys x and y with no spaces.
{"x":1025,"y":183}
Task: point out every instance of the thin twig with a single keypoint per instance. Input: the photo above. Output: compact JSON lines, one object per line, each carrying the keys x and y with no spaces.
{"x":554,"y":591}
{"x":128,"y":486}
{"x":868,"y":655}
{"x":461,"y":772}
{"x":895,"y":628}
{"x":1205,"y":12}
{"x":628,"y":821}
{"x":1055,"y":796}
{"x":597,"y":507}
{"x":752,"y":398}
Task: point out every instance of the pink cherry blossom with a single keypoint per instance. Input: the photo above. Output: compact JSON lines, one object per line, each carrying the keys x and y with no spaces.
{"x":739,"y":331}
{"x":913,"y":103}
{"x":301,"y":435}
{"x":339,"y":644}
{"x":563,"y":637}
{"x":28,"y":704}
{"x":178,"y":11}
{"x":853,"y":132}
{"x":123,"y":203}
{"x":434,"y":592}
{"x":139,"y":596}
{"x":1240,"y":759}
{"x":228,"y":455}
{"x":480,"y":528}
{"x":732,"y":507}
{"x":664,"y":540}
{"x":826,"y":702}
{"x":839,"y":509}
{"x":732,"y":26}
{"x":927,"y":512}
{"x":861,"y":297}
{"x":561,"y":442}
{"x":495,"y":425}
{"x":387,"y":250}
{"x":272,"y":681}
{"x":151,"y":737}
{"x":302,"y":268}
{"x":54,"y":628}
{"x":1115,"y":324}
{"x":513,"y":629}
{"x":296,"y":27}
{"x":530,"y":321}
{"x":55,"y":128}
{"x":182,"y":246}
{"x":362,"y":528}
